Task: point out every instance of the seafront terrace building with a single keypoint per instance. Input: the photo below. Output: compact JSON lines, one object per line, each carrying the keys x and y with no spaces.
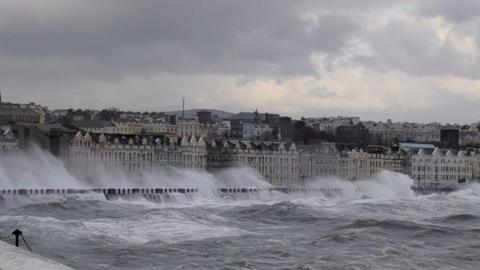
{"x":281,"y":164}
{"x":476,"y":164}
{"x":317,"y":160}
{"x":439,"y":168}
{"x":90,"y":154}
{"x":8,"y":142}
{"x":363,"y":164}
{"x":277,"y":162}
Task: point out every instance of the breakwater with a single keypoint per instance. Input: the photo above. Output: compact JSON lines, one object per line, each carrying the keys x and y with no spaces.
{"x":154,"y":193}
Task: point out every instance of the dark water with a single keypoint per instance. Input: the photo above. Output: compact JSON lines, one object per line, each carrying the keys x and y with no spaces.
{"x":370,"y":230}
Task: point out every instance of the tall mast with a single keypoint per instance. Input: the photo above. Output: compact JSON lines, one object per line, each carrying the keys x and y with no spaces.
{"x":183,"y":107}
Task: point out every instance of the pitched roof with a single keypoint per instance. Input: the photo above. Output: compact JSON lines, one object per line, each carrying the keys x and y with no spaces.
{"x":93,"y":124}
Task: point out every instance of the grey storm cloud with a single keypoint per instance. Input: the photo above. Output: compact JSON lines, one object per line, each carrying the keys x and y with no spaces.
{"x":457,"y":11}
{"x":415,"y":49}
{"x":62,"y":52}
{"x":111,"y":39}
{"x":268,"y":37}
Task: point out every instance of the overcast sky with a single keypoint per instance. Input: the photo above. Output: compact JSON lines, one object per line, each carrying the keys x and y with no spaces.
{"x":405,"y":60}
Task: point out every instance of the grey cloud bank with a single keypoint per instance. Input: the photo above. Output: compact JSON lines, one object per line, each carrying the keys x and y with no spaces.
{"x":246,"y":54}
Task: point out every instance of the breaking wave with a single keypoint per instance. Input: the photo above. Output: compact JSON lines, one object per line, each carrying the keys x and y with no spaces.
{"x":360,"y":224}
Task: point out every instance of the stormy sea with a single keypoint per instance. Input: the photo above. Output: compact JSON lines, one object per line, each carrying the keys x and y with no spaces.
{"x":372,"y":224}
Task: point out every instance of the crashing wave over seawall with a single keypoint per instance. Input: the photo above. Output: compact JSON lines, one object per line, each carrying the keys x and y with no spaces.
{"x":372,"y":224}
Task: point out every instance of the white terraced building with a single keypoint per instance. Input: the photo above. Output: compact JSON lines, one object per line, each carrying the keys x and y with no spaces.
{"x":441,"y":168}
{"x":277,"y":162}
{"x":318,"y":160}
{"x":281,"y":164}
{"x":476,"y":164}
{"x":133,"y":155}
{"x":8,"y":142}
{"x":91,"y":154}
{"x":359,"y":164}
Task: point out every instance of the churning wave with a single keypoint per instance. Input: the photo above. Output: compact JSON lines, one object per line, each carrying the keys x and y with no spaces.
{"x":460,"y":218}
{"x":372,"y":224}
{"x":400,"y":226}
{"x":273,"y":231}
{"x":279,"y":213}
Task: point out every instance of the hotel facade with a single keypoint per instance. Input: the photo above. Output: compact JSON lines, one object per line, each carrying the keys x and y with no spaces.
{"x":279,"y":163}
{"x":442,"y":168}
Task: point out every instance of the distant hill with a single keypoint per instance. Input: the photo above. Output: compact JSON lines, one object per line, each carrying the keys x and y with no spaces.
{"x":193,"y":112}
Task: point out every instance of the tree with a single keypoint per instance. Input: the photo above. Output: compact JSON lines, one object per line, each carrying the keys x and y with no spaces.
{"x":304,"y":133}
{"x":108,"y":114}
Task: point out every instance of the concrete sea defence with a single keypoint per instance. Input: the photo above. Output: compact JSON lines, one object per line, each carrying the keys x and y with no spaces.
{"x":13,"y":258}
{"x":152,"y":193}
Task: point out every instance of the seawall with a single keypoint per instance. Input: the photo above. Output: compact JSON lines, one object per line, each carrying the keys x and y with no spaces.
{"x":13,"y":258}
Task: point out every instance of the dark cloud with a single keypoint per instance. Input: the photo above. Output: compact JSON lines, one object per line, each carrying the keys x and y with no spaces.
{"x":456,"y":11}
{"x":415,"y":48}
{"x":126,"y":52}
{"x":421,"y":48}
{"x":237,"y":37}
{"x":108,"y":40}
